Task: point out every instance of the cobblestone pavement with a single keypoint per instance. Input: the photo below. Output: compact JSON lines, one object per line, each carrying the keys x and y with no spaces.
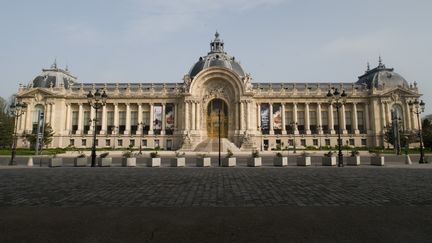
{"x":216,"y":187}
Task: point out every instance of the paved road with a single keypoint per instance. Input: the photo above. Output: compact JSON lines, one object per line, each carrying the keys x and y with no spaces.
{"x":216,"y":187}
{"x":291,"y":204}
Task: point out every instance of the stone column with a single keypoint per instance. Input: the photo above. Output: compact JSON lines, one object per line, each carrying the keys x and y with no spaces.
{"x":186,"y":115}
{"x":248,"y":114}
{"x":176,"y":116}
{"x":68,"y":119}
{"x":163,"y":119}
{"x":343,"y":120}
{"x":355,"y":122}
{"x":295,"y":118}
{"x":28,"y":117}
{"x":258,"y":114}
{"x":193,"y":115}
{"x":80,"y":119}
{"x":47,"y":112}
{"x":307,"y":119}
{"x":331,"y":119}
{"x":407,"y":116}
{"x":53,"y":116}
{"x":151,"y":125}
{"x":116,"y":118}
{"x":383,"y":117}
{"x":128,"y":119}
{"x":271,"y":119}
{"x":92,"y":117}
{"x":198,"y":116}
{"x":104,"y":120}
{"x":140,"y":119}
{"x":241,"y":116}
{"x":283,"y":119}
{"x":367,"y":119}
{"x":319,"y":118}
{"x":388,"y":113}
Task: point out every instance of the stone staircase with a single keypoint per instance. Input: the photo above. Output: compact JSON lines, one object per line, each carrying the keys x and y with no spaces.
{"x":212,"y":145}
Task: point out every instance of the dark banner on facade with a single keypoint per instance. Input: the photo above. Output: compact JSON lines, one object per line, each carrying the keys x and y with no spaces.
{"x":277,"y":117}
{"x":169,"y":114}
{"x":157,"y":122}
{"x":265,"y":118}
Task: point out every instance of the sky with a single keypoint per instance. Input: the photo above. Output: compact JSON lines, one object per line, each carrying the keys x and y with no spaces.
{"x":159,"y":41}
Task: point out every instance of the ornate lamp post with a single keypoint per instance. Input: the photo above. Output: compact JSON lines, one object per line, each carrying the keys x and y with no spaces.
{"x":417,"y":108}
{"x":142,"y":125}
{"x":16,"y":110}
{"x":293,"y":125}
{"x":97,"y":101}
{"x":337,"y":100}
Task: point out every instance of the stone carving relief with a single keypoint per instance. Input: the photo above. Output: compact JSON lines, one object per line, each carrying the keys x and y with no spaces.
{"x":218,"y":89}
{"x":247,"y":81}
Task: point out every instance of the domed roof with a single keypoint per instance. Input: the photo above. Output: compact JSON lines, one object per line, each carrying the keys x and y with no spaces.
{"x":53,"y":77}
{"x":382,"y":77}
{"x":216,"y":58}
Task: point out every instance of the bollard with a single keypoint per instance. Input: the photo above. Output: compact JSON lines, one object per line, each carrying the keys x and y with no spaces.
{"x":408,"y":160}
{"x":30,"y":162}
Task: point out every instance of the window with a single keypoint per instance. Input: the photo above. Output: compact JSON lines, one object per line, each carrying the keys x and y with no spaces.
{"x":74,"y":121}
{"x":327,"y":142}
{"x":144,"y":142}
{"x":288,"y":121}
{"x":146,"y":122}
{"x":86,"y":121}
{"x":351,"y":142}
{"x":278,"y":144}
{"x":122,"y":122}
{"x":132,"y":143}
{"x":72,"y":142}
{"x":266,"y":144}
{"x":134,"y":122}
{"x":301,"y":122}
{"x":313,"y":122}
{"x":110,"y":122}
{"x":291,"y":142}
{"x":84,"y":142}
{"x":303,"y":142}
{"x":169,"y":144}
{"x":364,"y":142}
{"x":360,"y":121}
{"x":156,"y":143}
{"x":324,"y":119}
{"x":97,"y":142}
{"x":315,"y":142}
{"x":120,"y":143}
{"x":99,"y":122}
{"x":335,"y":121}
{"x":108,"y":142}
{"x":348,"y":124}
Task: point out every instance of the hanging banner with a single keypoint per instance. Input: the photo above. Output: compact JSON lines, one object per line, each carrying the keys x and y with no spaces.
{"x":169,"y":114}
{"x":157,"y":122}
{"x":277,"y":117}
{"x":265,"y":119}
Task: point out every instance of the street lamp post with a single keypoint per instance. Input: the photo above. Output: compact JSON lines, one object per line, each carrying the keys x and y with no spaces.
{"x":337,"y":100}
{"x":16,"y":110}
{"x":417,"y":108}
{"x":97,"y":101}
{"x":293,"y":125}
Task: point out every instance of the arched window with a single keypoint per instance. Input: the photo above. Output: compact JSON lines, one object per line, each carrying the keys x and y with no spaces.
{"x":35,"y":118}
{"x":398,"y":114}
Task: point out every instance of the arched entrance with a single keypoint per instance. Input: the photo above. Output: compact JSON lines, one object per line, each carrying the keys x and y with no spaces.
{"x":214,"y":108}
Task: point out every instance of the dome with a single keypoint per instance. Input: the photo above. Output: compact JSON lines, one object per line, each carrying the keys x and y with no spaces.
{"x":53,"y":77}
{"x":216,"y":58}
{"x":382,"y":77}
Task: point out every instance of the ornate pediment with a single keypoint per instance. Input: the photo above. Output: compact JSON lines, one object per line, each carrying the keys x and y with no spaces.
{"x":397,"y":93}
{"x":38,"y":94}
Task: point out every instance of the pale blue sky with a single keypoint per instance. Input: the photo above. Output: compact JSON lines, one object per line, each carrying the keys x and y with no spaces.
{"x":158,"y":41}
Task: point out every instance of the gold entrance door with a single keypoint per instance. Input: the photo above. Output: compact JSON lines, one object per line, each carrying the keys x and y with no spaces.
{"x":213,"y":109}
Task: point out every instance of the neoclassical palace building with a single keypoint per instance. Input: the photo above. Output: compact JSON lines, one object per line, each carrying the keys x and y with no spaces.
{"x":217,"y":92}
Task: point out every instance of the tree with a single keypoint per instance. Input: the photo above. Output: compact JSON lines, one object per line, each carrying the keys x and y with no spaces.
{"x":405,"y":136}
{"x":47,"y":136}
{"x":6,"y":125}
{"x":427,"y":133}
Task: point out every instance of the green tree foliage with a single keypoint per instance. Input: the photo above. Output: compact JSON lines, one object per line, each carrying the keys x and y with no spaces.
{"x":47,"y":137}
{"x":6,"y":125}
{"x":427,"y":133}
{"x":405,"y":136}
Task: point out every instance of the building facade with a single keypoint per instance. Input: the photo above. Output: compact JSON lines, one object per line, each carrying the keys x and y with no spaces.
{"x":217,"y":97}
